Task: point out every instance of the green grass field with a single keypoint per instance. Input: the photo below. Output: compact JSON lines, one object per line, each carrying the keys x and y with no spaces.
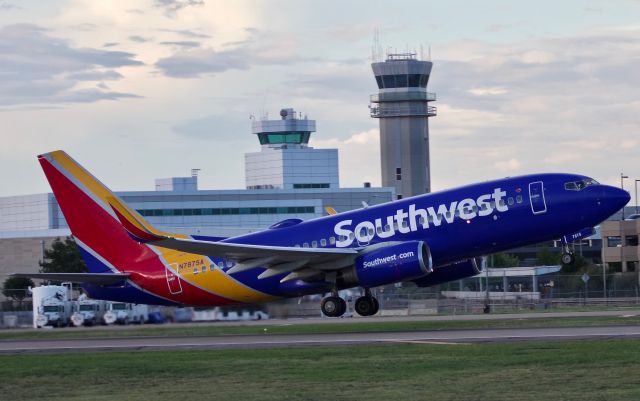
{"x":578,"y":370}
{"x":345,"y":326}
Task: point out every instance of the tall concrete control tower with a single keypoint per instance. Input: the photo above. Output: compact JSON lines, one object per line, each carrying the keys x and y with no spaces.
{"x":402,"y":105}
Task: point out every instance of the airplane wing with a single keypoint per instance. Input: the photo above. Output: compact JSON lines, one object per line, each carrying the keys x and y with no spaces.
{"x":299,"y":262}
{"x":90,"y":278}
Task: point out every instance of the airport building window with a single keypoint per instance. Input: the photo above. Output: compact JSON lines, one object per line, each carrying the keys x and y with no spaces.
{"x":631,"y":240}
{"x":227,"y":211}
{"x":613,"y":241}
{"x":402,"y":81}
{"x":291,"y":137}
{"x":307,"y":186}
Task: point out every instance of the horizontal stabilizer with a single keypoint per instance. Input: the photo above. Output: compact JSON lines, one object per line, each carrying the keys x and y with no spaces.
{"x":88,"y":278}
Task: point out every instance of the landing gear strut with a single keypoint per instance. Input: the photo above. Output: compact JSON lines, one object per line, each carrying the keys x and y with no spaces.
{"x":367,"y":305}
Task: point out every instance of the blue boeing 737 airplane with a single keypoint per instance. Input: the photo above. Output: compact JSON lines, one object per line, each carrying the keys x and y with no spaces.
{"x":428,"y":239}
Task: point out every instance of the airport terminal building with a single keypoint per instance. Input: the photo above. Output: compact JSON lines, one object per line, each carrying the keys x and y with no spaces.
{"x":285,"y":179}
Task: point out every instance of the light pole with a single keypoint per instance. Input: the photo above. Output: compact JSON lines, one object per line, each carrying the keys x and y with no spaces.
{"x":637,"y":195}
{"x":622,"y":177}
{"x":622,"y":233}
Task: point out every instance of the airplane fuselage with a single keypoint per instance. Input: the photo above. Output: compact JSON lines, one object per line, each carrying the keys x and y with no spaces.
{"x":456,"y":224}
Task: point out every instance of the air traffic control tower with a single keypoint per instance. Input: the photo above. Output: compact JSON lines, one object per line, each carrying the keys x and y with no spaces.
{"x":402,"y":105}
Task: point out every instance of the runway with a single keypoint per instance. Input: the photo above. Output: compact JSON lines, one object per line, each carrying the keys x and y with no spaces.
{"x":270,"y":341}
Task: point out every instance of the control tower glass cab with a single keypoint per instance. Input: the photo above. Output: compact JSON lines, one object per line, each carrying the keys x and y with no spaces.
{"x":402,"y":106}
{"x":291,"y":131}
{"x":286,"y":161}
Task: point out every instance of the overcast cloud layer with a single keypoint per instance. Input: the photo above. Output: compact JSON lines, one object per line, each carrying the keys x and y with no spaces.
{"x":137,"y":93}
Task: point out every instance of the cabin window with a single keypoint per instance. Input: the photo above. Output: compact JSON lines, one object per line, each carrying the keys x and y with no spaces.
{"x":421,"y":220}
{"x":510,"y":201}
{"x":387,"y":227}
{"x":501,"y":202}
{"x":195,"y":270}
{"x":448,"y":215}
{"x":229,"y":263}
{"x":323,"y":242}
{"x":379,"y":229}
{"x":332,"y":240}
{"x":305,"y":245}
{"x":204,"y":269}
{"x":212,"y":267}
{"x":404,"y":224}
{"x":351,"y":235}
{"x":221,"y":264}
{"x":314,"y":244}
{"x":519,"y":199}
{"x":474,"y":208}
{"x":371,"y":232}
{"x":297,"y":245}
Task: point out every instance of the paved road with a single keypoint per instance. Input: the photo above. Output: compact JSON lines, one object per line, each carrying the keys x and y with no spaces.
{"x":267,"y":341}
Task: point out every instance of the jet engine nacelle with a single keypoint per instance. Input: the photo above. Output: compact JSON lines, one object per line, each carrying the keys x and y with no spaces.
{"x":389,"y":264}
{"x":452,"y":272}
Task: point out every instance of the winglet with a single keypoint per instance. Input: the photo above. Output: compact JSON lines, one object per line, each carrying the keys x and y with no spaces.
{"x":137,"y":228}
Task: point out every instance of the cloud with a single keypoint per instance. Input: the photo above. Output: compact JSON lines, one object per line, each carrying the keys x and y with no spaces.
{"x":139,"y":39}
{"x":187,"y":33}
{"x":233,"y":126}
{"x":4,"y":5}
{"x":544,"y":110}
{"x":182,"y":43}
{"x":59,"y":74}
{"x":358,"y":150}
{"x":171,"y":7}
{"x":262,"y":48}
{"x":509,"y":165}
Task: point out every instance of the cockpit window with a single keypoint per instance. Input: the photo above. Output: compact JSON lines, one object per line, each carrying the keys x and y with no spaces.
{"x":579,"y":185}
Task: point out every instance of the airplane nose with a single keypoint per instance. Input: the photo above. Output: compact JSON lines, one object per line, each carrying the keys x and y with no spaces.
{"x":615,"y":197}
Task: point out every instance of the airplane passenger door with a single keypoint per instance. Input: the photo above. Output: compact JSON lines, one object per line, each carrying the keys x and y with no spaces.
{"x":173,"y":280}
{"x":536,"y":197}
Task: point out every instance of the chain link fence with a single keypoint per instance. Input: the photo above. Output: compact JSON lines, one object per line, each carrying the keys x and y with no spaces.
{"x":554,"y":291}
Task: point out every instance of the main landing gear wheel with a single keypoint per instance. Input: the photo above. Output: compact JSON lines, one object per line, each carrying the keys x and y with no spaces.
{"x":367,"y":306}
{"x":333,"y":306}
{"x":568,"y":258}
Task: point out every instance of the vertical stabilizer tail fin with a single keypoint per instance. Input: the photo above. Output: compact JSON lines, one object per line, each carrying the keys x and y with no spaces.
{"x":87,"y":207}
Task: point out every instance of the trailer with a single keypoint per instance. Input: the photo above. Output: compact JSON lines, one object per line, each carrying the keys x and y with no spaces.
{"x":51,"y":305}
{"x":125,"y":313}
{"x":88,"y":312}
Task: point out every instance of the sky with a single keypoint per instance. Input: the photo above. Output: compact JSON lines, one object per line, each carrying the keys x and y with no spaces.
{"x":140,"y":90}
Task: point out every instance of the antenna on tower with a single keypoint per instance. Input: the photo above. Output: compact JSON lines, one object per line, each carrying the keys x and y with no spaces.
{"x":376,"y":49}
{"x":429,"y":52}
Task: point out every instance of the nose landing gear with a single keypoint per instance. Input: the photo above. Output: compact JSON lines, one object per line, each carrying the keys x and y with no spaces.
{"x":567,"y":257}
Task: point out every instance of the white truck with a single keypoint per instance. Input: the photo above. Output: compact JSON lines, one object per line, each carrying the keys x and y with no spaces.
{"x":89,"y":312}
{"x":51,"y":305}
{"x":125,"y":313}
